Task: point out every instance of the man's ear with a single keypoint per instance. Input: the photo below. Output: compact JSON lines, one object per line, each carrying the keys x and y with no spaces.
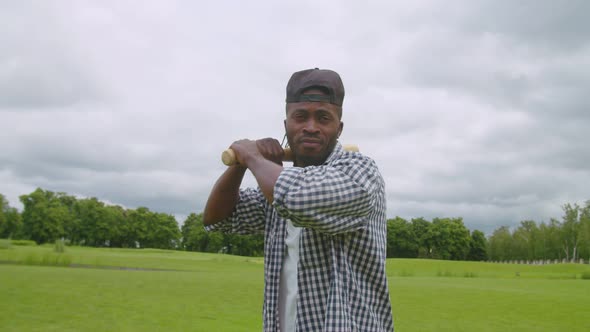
{"x":285,"y":137}
{"x":341,"y":128}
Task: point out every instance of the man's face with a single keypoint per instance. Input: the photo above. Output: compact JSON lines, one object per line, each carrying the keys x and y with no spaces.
{"x":312,"y":130}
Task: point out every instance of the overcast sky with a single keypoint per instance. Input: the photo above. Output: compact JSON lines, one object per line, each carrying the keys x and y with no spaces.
{"x":473,"y":109}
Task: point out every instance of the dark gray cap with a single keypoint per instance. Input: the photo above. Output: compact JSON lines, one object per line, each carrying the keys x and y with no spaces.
{"x":322,"y":79}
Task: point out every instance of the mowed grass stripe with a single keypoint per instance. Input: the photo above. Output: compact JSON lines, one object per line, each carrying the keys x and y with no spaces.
{"x":210,"y":292}
{"x":130,"y":258}
{"x":440,"y":268}
{"x":480,"y":304}
{"x":38,"y":298}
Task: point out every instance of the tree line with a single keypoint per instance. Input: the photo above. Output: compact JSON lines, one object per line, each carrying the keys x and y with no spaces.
{"x":567,"y":239}
{"x":49,"y":216}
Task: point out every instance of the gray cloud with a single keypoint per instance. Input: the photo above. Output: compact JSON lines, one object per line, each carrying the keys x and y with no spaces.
{"x":552,"y":26}
{"x":39,"y":67}
{"x":474,"y":109}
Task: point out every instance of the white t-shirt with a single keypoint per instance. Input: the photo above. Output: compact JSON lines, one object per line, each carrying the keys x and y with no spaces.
{"x":288,"y":285}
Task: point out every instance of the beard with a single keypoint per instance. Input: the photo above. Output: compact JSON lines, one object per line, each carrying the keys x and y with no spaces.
{"x":303,"y":158}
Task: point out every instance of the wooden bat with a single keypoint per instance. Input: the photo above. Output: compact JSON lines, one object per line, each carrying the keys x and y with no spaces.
{"x":228,"y":157}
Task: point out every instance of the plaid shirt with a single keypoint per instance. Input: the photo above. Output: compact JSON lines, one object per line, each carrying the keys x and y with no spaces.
{"x":342,"y":285}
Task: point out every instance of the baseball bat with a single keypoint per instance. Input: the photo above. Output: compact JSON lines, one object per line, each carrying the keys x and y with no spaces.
{"x":228,"y":157}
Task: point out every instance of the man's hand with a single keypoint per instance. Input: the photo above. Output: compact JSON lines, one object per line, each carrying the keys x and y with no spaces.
{"x":264,"y":159}
{"x":271,"y":149}
{"x":267,"y":148}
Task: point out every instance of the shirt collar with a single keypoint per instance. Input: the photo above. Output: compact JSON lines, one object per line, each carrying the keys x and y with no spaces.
{"x":338,"y":150}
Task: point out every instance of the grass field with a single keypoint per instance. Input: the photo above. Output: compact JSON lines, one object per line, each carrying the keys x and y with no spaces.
{"x":157,"y":290}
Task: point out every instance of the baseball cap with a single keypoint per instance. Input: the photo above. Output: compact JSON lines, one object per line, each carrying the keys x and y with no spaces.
{"x":323,"y":79}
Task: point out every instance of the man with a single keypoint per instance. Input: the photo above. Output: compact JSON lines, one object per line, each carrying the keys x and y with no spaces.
{"x":323,"y":219}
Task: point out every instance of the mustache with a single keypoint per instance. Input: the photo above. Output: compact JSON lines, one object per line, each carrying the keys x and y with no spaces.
{"x":309,"y":138}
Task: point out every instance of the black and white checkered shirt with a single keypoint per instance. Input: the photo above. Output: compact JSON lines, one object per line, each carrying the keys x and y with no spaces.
{"x":342,"y":285}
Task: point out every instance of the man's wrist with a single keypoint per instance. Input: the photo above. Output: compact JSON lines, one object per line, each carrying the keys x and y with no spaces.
{"x":238,"y":168}
{"x":251,"y":159}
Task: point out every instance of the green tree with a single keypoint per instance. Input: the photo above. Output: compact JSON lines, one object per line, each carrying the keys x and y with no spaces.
{"x":421,"y":227}
{"x":194,"y":236}
{"x":401,"y":240}
{"x":571,"y":231}
{"x":245,"y":245}
{"x":525,"y":239}
{"x":162,"y":231}
{"x":97,"y":226}
{"x":500,"y":244}
{"x":137,"y":231}
{"x":585,"y":231}
{"x":10,"y":220}
{"x":450,"y":238}
{"x":544,"y":245}
{"x":477,"y":247}
{"x":217,"y":242}
{"x":44,"y":216}
{"x":71,"y":223}
{"x":115,"y":216}
{"x":552,"y":240}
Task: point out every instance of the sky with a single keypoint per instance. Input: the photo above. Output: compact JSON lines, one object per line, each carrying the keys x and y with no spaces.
{"x":471,"y":108}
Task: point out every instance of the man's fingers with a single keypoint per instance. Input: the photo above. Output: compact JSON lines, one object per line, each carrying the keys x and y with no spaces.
{"x":270,"y":149}
{"x":243,"y":149}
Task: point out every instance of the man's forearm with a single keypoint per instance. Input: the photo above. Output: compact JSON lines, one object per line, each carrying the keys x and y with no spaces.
{"x":266,"y":173}
{"x":224,"y":195}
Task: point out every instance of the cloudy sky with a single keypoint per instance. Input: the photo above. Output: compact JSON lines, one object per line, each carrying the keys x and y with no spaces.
{"x":471,"y":108}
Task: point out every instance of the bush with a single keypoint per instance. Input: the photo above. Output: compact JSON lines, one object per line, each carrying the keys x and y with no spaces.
{"x":23,"y":243}
{"x":60,"y":246}
{"x":55,"y":260}
{"x":47,"y":259}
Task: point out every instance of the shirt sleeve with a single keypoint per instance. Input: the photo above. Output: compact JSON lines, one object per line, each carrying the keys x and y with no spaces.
{"x":248,"y":216}
{"x":333,"y":198}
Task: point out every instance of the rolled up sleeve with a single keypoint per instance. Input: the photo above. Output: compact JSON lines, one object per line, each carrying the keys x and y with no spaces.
{"x":248,"y":216}
{"x":333,"y":198}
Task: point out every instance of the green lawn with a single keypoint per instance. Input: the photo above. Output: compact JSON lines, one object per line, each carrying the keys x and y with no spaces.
{"x":181,"y":291}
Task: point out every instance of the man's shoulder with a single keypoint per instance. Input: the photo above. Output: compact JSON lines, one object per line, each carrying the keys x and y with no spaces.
{"x":354,"y":158}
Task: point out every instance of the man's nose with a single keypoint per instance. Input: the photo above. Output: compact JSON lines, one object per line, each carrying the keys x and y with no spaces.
{"x":310,"y":126}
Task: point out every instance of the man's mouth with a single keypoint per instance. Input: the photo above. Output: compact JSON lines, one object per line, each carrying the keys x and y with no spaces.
{"x":310,"y":143}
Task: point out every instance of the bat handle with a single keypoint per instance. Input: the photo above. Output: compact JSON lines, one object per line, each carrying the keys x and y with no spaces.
{"x":228,"y":157}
